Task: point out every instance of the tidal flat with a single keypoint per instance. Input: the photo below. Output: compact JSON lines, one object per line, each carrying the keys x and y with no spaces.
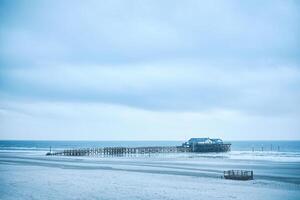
{"x":32,"y":175}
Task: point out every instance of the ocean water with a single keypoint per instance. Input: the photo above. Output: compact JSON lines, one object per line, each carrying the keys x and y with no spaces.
{"x":244,"y":150}
{"x":43,"y":145}
{"x":275,"y":146}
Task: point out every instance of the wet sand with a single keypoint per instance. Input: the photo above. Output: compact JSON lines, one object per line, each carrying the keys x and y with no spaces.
{"x":35,"y":176}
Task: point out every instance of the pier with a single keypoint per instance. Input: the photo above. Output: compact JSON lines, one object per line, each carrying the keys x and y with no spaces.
{"x":197,"y":145}
{"x":120,"y":151}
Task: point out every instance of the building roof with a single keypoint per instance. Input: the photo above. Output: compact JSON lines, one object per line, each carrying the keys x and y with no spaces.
{"x":202,"y":140}
{"x":193,"y":140}
{"x":217,"y":140}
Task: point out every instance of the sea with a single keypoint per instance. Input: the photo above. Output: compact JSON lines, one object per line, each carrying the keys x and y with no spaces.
{"x":42,"y":145}
{"x":250,"y":150}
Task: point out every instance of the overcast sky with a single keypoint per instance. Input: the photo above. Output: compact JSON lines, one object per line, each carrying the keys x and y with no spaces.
{"x":149,"y":70}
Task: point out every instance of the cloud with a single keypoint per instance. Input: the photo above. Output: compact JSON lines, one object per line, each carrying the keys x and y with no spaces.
{"x":148,"y":57}
{"x":168,"y":86}
{"x":118,"y":31}
{"x":96,"y":121}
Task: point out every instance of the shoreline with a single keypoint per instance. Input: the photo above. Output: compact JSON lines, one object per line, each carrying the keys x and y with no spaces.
{"x":142,"y":178}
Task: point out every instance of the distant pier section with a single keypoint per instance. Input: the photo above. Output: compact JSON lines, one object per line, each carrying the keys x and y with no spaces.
{"x":196,"y":145}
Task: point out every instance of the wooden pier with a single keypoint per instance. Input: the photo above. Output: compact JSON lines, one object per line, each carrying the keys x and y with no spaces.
{"x":119,"y":151}
{"x":124,"y":151}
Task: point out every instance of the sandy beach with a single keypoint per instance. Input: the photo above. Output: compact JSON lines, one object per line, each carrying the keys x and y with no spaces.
{"x":27,"y":175}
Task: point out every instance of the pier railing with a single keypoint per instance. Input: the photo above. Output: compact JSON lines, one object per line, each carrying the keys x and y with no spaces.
{"x":121,"y":151}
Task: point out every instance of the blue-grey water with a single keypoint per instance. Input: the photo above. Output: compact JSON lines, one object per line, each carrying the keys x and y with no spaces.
{"x":280,"y":146}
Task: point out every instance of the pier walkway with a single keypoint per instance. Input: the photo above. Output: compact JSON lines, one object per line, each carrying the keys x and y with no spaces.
{"x":119,"y":151}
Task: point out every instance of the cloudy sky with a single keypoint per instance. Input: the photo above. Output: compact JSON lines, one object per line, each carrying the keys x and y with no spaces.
{"x":157,"y":70}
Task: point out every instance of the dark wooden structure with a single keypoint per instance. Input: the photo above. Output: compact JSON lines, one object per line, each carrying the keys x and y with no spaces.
{"x":123,"y":151}
{"x":210,"y":147}
{"x":119,"y":151}
{"x":197,"y":145}
{"x":238,"y":175}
